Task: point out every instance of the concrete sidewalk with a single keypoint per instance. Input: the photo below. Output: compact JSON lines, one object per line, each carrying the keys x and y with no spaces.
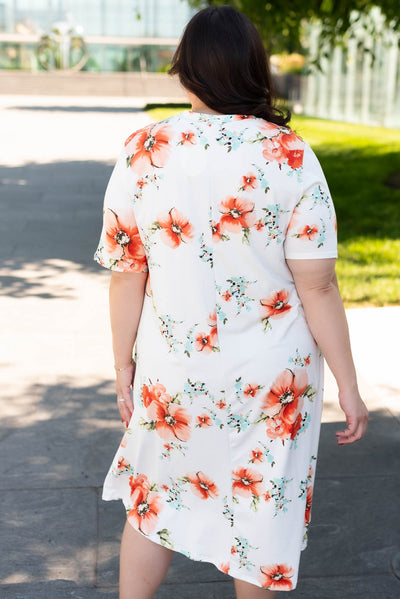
{"x":60,"y":425}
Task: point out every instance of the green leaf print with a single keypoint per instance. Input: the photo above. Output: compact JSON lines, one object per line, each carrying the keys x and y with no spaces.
{"x":165,"y":539}
{"x":149,"y":425}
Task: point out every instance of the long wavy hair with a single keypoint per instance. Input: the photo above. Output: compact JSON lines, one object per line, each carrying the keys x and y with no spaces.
{"x":222,"y":60}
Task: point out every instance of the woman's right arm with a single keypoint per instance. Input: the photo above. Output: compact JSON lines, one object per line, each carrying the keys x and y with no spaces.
{"x":316,"y":284}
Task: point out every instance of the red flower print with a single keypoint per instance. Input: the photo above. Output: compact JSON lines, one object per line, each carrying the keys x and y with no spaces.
{"x":277,"y":428}
{"x":233,"y":550}
{"x":204,"y":420}
{"x":154,"y":392}
{"x":172,"y":421}
{"x":123,"y":465}
{"x":267,"y":496}
{"x":141,"y":183}
{"x":124,"y":440}
{"x":203,"y":486}
{"x":187,"y":138}
{"x":249,"y":182}
{"x":221,"y":404}
{"x":227,"y":296}
{"x":237,"y":213}
{"x":250,"y":390}
{"x":203,"y":343}
{"x":294,"y":149}
{"x":307,"y":516}
{"x":175,"y":228}
{"x":296,"y":426}
{"x":276,"y":577}
{"x":275,"y":305}
{"x":224,"y":567}
{"x":309,"y":232}
{"x":285,"y":395}
{"x":307,"y":360}
{"x":139,"y":482}
{"x":259,"y":225}
{"x":145,"y":510}
{"x":148,"y":148}
{"x":216,"y":231}
{"x":247,"y":482}
{"x":274,"y":150}
{"x":122,"y":240}
{"x":242,"y":117}
{"x":256,"y":455}
{"x":212,"y":323}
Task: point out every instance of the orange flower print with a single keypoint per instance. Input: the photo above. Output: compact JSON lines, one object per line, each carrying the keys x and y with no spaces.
{"x":259,"y":225}
{"x":276,"y":577}
{"x":224,"y":567}
{"x":124,"y":440}
{"x":294,"y":149}
{"x":216,"y":231}
{"x":249,"y":182}
{"x":237,"y":213}
{"x":277,"y":428}
{"x":172,"y":421}
{"x":296,"y":426}
{"x":256,"y":455}
{"x":203,"y":420}
{"x":176,"y":228}
{"x":122,"y":241}
{"x":275,"y":305}
{"x":212,"y":323}
{"x":250,"y":390}
{"x":146,"y":506}
{"x":285,"y":395}
{"x":203,"y":343}
{"x":307,"y":515}
{"x":202,"y":485}
{"x":227,"y":296}
{"x":188,"y":138}
{"x":148,"y":148}
{"x":123,"y":465}
{"x":267,"y":496}
{"x":221,"y":404}
{"x":247,"y":482}
{"x":154,"y":392}
{"x":308,"y":233}
{"x":139,"y":482}
{"x":274,"y":150}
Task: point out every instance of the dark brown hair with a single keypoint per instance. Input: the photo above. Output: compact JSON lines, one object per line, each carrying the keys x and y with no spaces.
{"x":222,"y":60}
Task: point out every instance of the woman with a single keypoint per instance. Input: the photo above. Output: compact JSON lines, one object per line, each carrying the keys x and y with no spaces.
{"x":221,"y":234}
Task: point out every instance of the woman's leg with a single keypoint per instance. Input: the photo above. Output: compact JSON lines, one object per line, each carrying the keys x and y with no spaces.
{"x":142,"y":566}
{"x":245,"y":590}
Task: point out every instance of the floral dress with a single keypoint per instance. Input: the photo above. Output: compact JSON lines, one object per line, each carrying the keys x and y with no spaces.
{"x":218,"y":461}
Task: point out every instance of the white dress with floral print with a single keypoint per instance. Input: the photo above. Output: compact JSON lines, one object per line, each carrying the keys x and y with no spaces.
{"x":219,"y":458}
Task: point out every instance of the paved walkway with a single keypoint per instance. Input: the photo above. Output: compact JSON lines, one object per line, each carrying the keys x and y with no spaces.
{"x":60,"y":425}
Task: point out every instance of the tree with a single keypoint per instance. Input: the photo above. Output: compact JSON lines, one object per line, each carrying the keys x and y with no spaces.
{"x":281,"y":22}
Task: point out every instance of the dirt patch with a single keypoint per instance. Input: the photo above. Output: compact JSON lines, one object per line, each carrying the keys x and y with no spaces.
{"x":393,"y":180}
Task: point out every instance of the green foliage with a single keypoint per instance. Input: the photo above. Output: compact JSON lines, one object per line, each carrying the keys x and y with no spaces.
{"x":280,"y":22}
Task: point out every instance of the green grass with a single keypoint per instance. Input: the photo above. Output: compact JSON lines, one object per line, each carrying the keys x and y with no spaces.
{"x":357,"y":161}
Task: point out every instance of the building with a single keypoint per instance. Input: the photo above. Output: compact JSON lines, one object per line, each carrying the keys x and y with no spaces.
{"x":118,"y":35}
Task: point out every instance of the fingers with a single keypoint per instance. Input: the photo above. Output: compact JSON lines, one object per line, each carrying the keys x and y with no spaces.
{"x":126,"y":406}
{"x":356,"y":429}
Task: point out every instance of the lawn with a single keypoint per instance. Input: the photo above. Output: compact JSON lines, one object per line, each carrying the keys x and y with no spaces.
{"x":358,"y":162}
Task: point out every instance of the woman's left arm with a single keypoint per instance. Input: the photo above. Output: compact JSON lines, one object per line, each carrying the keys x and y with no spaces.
{"x":126,"y":295}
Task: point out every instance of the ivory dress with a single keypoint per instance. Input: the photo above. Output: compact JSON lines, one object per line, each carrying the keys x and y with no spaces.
{"x":219,"y":458}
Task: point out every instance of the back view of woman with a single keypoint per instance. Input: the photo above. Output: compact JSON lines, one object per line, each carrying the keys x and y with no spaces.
{"x":221,"y":234}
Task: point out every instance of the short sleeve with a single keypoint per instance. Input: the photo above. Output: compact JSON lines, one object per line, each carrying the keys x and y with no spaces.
{"x":120,"y":247}
{"x":312,"y":229}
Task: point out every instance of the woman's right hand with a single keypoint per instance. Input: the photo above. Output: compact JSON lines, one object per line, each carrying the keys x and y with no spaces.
{"x":356,"y":417}
{"x":124,"y":383}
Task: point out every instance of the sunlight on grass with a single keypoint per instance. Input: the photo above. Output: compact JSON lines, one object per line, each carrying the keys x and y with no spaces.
{"x":357,"y":161}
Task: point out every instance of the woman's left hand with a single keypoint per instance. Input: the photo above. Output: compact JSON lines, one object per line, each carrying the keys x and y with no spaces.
{"x":124,"y":383}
